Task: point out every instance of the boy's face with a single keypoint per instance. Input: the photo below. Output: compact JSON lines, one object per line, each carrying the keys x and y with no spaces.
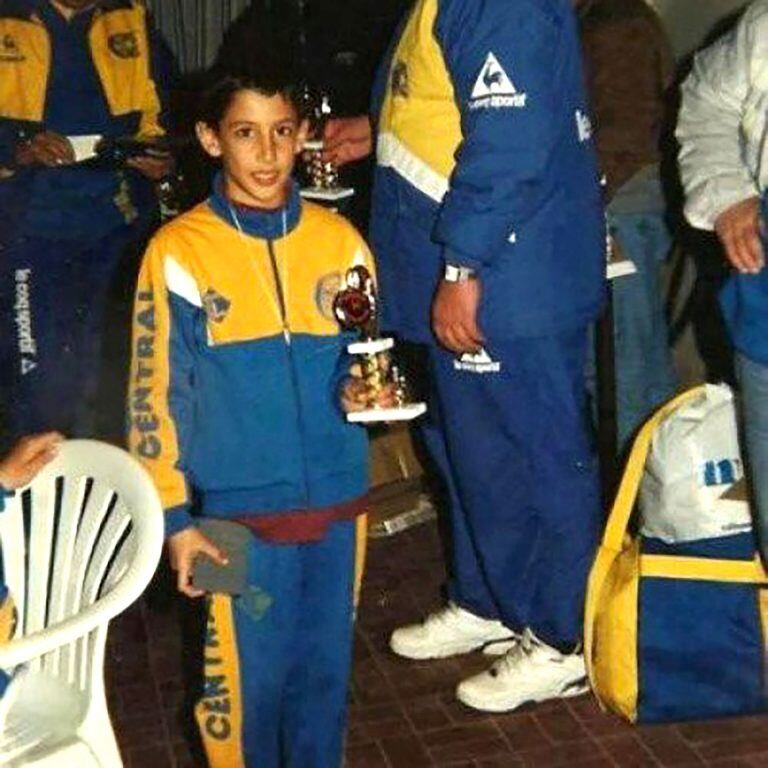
{"x":257,"y":140}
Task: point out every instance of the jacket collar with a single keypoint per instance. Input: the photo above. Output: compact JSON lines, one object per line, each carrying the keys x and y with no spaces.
{"x":269,"y":225}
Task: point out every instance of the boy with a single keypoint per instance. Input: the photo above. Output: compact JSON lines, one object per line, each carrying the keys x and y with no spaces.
{"x":237,"y":367}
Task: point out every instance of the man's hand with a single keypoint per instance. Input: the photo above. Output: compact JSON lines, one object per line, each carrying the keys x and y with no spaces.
{"x":454,"y":316}
{"x":27,"y":458}
{"x":347,"y":139}
{"x":154,"y":166}
{"x":738,"y":228}
{"x":46,"y":148}
{"x":183,"y":549}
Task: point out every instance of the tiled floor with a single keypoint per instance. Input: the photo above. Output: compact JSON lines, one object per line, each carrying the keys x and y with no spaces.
{"x":403,"y":714}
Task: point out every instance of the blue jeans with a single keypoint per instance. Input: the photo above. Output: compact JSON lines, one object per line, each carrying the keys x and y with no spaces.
{"x":753,"y":380}
{"x":645,"y":374}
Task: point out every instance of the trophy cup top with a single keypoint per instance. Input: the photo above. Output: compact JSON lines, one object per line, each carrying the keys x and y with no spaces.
{"x":355,"y":304}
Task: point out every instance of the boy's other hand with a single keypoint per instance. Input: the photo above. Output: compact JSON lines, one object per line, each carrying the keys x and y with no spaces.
{"x":184,"y":548}
{"x":45,"y":148}
{"x":27,"y":458}
{"x":355,"y":396}
{"x":347,"y":139}
{"x":738,"y":228}
{"x":454,"y":316}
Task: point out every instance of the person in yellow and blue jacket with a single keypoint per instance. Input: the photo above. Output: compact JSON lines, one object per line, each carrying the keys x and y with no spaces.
{"x":239,"y":381}
{"x":69,"y":69}
{"x":488,"y":229}
{"x":17,"y":468}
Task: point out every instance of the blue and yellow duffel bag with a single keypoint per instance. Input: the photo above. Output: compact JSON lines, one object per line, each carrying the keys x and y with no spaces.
{"x":674,"y":631}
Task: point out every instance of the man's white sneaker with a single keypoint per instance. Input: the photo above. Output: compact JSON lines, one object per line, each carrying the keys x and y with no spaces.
{"x":500,"y":647}
{"x":532,"y":671}
{"x":447,"y":632}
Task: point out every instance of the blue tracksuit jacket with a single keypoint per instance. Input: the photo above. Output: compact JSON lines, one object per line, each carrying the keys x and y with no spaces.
{"x":237,"y":361}
{"x":485,"y":159}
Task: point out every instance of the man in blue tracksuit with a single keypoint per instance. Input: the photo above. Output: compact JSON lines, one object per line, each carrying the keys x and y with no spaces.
{"x":68,"y":69}
{"x":487,"y":214}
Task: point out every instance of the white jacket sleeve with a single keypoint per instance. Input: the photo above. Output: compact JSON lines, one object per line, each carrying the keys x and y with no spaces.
{"x":715,"y":162}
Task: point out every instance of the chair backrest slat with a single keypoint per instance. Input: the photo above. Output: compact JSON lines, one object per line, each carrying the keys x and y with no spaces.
{"x":105,"y":558}
{"x":41,"y":527}
{"x":106,"y":548}
{"x":96,"y":508}
{"x":14,"y":545}
{"x":73,"y":494}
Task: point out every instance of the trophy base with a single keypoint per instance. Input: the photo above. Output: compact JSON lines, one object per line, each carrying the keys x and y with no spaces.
{"x":328,"y":195}
{"x":371,"y":347}
{"x":401,"y":413}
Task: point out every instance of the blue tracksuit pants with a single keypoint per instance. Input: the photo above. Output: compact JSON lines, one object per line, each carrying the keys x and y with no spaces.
{"x":53,"y":296}
{"x":277,"y":658}
{"x":509,"y":432}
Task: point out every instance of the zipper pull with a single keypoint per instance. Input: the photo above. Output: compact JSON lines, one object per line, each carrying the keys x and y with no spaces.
{"x":287,"y":335}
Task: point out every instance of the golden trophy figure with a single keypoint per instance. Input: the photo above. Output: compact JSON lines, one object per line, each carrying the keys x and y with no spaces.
{"x":355,"y":307}
{"x":322,"y":176}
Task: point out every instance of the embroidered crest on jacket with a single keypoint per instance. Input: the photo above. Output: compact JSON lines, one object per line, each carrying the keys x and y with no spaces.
{"x":215,"y":305}
{"x":125,"y":45}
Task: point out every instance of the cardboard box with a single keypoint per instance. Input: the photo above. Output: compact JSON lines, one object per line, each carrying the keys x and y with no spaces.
{"x":392,"y":456}
{"x":398,"y":497}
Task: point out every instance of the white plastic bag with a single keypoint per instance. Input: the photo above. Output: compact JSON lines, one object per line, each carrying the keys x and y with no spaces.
{"x":694,"y":459}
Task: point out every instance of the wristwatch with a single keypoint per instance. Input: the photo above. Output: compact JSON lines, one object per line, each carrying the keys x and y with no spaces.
{"x":456,"y":274}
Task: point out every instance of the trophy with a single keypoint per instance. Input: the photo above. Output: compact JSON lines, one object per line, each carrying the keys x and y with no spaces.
{"x":355,"y":307}
{"x":322,"y":176}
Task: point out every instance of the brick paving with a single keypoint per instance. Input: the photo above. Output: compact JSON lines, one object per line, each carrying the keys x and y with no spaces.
{"x":402,"y":714}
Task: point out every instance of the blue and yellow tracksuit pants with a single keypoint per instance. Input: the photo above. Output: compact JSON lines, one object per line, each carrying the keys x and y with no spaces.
{"x":511,"y":437}
{"x":277,"y":658}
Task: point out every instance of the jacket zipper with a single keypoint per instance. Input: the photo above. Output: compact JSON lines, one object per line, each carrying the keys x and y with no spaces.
{"x":280,"y":294}
{"x":291,"y":364}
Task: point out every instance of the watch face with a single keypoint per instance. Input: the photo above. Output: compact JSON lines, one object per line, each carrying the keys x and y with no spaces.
{"x":454,"y":274}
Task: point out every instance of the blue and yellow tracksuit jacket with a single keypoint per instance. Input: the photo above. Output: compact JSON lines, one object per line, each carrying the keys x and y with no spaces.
{"x":237,"y":361}
{"x":485,"y":159}
{"x":116,"y":87}
{"x":121,"y":50}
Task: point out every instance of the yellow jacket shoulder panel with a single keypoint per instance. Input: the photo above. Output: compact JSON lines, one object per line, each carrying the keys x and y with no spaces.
{"x":420,"y":92}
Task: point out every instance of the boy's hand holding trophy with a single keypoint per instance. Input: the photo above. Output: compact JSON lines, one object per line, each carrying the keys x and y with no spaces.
{"x":378,"y":391}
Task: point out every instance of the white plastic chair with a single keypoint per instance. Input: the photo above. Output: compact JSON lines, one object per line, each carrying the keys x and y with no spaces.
{"x":79,"y":545}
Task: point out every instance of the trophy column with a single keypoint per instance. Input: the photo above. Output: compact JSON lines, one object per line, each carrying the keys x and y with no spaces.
{"x":322,"y":177}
